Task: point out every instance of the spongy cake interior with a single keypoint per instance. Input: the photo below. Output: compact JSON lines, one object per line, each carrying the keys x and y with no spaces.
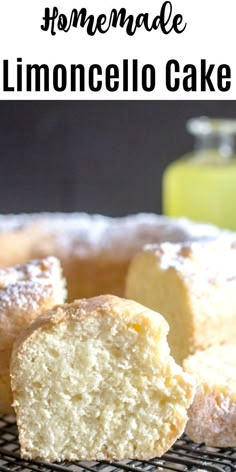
{"x":165,"y":292}
{"x":220,"y":375}
{"x":99,"y":388}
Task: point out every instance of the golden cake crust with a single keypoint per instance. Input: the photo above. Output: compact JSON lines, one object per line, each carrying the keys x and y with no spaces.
{"x":80,"y":309}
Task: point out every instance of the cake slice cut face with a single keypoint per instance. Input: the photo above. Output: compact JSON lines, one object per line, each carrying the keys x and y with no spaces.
{"x":93,"y":380}
{"x":194,"y":286}
{"x":212,"y":416}
{"x":26,"y":291}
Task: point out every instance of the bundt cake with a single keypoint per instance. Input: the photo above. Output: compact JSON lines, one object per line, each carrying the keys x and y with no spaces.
{"x":94,"y":250}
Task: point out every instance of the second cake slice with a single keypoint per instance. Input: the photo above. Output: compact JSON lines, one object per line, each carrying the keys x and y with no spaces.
{"x":194,"y":286}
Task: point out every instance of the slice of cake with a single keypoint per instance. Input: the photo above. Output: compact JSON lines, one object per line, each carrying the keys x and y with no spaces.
{"x":194,"y":286}
{"x":93,"y":380}
{"x":212,"y":417}
{"x":26,"y":291}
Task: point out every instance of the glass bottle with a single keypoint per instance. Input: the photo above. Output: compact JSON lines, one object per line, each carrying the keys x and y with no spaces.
{"x":202,"y":185}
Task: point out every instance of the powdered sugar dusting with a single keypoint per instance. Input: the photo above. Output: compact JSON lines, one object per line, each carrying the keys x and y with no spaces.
{"x":39,"y":270}
{"x":212,"y":416}
{"x":89,"y":235}
{"x":26,"y":291}
{"x":25,"y":295}
{"x":209,"y":258}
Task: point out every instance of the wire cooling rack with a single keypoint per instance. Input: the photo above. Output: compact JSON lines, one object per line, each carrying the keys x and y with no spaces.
{"x":184,"y":456}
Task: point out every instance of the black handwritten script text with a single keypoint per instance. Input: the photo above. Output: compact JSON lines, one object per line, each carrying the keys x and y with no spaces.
{"x":166,"y":21}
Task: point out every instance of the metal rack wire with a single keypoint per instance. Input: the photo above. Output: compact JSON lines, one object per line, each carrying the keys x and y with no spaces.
{"x":184,"y":456}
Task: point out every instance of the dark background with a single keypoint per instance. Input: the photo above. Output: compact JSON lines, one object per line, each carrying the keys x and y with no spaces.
{"x":103,"y":157}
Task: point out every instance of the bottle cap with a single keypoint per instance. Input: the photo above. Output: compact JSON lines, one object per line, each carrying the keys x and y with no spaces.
{"x":206,"y":126}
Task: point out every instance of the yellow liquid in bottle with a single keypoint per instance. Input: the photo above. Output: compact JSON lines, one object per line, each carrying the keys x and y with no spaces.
{"x":202,"y":187}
